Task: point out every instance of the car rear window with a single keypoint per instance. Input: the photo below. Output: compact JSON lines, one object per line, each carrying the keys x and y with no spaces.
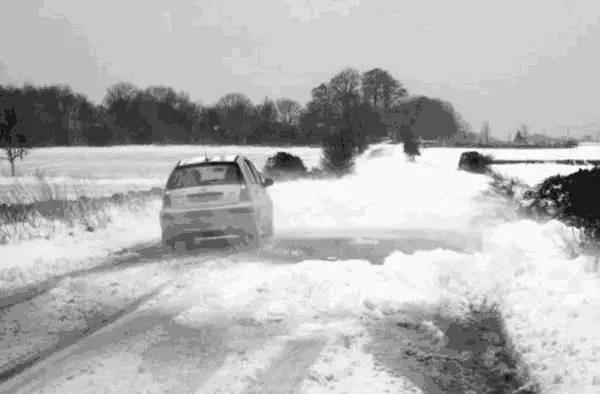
{"x":205,"y":174}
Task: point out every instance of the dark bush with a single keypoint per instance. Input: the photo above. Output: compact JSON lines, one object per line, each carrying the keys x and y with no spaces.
{"x":411,"y":145}
{"x":118,"y":198}
{"x":284,"y":164}
{"x":15,"y":212}
{"x":411,"y":148}
{"x":339,"y":151}
{"x":474,"y":162}
{"x":573,"y":198}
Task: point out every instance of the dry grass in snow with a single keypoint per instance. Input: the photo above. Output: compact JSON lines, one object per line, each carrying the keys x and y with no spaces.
{"x":45,"y":209}
{"x":70,"y":249}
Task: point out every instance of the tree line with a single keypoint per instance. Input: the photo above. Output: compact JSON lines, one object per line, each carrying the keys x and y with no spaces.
{"x":343,"y":116}
{"x":57,"y":116}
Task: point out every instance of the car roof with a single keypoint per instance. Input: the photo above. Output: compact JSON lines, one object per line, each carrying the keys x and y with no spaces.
{"x":209,"y":159}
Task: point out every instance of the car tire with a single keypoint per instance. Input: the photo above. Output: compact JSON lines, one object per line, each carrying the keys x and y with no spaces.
{"x":252,"y":238}
{"x":189,"y":243}
{"x":168,"y":243}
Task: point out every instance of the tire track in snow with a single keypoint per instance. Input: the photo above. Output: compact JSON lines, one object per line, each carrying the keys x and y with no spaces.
{"x":345,"y":366}
{"x":44,"y":345}
{"x":240,"y":368}
{"x":137,"y":255}
{"x":65,"y":341}
{"x":118,"y":260}
{"x":289,"y":368}
{"x":157,"y":342}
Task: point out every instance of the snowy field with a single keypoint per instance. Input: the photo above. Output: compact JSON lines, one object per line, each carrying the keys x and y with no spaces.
{"x":548,"y":296}
{"x":530,"y":174}
{"x":103,"y":171}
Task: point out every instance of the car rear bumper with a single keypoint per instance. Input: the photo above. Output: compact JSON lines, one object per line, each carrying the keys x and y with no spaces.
{"x":207,"y":223}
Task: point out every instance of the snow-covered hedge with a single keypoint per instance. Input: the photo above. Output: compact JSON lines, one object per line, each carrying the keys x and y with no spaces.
{"x":574,"y":199}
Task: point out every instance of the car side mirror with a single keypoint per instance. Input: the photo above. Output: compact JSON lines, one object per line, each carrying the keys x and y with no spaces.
{"x":268,"y":182}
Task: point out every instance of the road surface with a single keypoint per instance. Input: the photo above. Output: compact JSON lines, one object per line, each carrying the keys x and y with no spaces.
{"x":302,"y":315}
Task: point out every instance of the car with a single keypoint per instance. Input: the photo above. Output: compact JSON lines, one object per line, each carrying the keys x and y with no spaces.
{"x":214,"y":198}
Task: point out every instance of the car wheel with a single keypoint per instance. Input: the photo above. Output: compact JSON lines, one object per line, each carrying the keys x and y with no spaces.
{"x":189,"y":243}
{"x":252,"y":238}
{"x":168,"y":242}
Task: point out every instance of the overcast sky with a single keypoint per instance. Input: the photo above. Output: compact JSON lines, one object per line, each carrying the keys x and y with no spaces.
{"x":509,"y":61}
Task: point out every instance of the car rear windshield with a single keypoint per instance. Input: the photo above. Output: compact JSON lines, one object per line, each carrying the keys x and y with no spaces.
{"x":205,"y":174}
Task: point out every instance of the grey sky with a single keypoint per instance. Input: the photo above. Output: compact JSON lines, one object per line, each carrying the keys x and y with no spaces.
{"x":509,"y":61}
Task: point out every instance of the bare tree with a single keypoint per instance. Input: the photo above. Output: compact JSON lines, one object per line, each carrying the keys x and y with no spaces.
{"x":122,"y":91}
{"x":289,"y":110}
{"x":238,"y":116}
{"x":267,"y":111}
{"x":345,"y":83}
{"x":12,"y":142}
{"x":344,"y":89}
{"x":380,"y":89}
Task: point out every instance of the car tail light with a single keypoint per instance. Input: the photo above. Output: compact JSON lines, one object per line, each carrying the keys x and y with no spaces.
{"x":244,"y":194}
{"x":166,"y":201}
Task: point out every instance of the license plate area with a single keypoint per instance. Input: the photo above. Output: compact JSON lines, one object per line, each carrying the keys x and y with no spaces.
{"x":204,"y":197}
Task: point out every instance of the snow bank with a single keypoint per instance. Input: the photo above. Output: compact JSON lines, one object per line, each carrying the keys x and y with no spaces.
{"x":551,"y":304}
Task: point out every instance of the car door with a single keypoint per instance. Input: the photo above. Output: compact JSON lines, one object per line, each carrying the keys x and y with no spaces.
{"x":263,"y":200}
{"x":255,"y":190}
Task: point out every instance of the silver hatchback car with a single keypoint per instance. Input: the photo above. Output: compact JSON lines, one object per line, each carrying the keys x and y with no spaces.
{"x":213,"y":198}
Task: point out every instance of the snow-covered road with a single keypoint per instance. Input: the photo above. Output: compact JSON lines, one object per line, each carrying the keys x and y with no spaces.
{"x":261,"y":322}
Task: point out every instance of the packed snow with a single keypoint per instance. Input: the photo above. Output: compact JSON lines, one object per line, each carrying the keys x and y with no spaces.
{"x":547,"y":295}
